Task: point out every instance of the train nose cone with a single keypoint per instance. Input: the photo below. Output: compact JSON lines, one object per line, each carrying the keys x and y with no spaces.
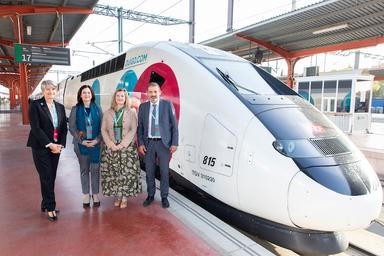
{"x":334,"y":200}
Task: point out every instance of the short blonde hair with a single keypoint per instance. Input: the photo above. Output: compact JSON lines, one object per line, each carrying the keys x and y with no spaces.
{"x":46,"y":83}
{"x":127,"y":103}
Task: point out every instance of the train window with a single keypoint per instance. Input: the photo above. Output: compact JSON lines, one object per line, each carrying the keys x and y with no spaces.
{"x":316,"y":88}
{"x":240,"y":73}
{"x":120,"y":62}
{"x":104,"y":69}
{"x":329,"y":96}
{"x":113,"y":65}
{"x":297,"y":123}
{"x":278,"y":86}
{"x":344,"y":95}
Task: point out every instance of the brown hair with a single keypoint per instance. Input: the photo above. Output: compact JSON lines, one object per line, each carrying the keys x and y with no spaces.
{"x":79,"y":99}
{"x":127,"y":103}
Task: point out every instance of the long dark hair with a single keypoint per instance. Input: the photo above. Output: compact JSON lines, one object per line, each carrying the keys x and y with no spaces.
{"x":79,"y":99}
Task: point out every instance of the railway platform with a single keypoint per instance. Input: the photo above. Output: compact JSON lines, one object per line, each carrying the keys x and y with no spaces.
{"x":182,"y":229}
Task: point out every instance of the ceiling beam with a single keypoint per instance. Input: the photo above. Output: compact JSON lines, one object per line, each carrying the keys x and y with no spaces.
{"x":338,"y":47}
{"x":57,"y":22}
{"x":11,"y":42}
{"x":10,"y":10}
{"x":2,"y":57}
{"x":279,"y":50}
{"x":331,"y":38}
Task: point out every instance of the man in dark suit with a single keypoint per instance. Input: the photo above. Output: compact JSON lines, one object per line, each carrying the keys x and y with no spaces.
{"x":47,"y":137}
{"x":158,"y":136}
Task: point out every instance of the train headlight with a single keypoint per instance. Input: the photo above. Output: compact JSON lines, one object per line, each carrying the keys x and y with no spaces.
{"x":279,"y":147}
{"x":301,"y":148}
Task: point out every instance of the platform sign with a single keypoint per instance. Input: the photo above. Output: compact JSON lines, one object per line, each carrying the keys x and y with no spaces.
{"x":37,"y":54}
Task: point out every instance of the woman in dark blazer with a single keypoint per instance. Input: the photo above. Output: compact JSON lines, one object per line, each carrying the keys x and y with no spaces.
{"x":47,"y":138}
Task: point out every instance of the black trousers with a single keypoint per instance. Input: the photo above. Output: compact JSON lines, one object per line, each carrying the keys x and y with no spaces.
{"x":46,"y":165}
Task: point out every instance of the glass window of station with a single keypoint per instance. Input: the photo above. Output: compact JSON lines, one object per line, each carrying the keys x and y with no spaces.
{"x":336,"y":95}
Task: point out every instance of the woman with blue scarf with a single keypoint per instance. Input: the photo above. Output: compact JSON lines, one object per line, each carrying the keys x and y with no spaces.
{"x":84,"y":125}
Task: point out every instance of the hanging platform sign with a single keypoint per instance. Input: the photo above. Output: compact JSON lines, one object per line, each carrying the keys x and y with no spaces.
{"x":37,"y":54}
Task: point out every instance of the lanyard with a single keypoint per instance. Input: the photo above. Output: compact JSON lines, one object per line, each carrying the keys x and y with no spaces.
{"x":118,"y":119}
{"x":88,"y":117}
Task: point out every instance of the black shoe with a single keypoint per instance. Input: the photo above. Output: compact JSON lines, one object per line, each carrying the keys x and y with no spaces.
{"x":164,"y":202}
{"x":86,"y":205}
{"x":43,"y":210}
{"x":95,"y":204}
{"x":148,"y":201}
{"x":52,"y":218}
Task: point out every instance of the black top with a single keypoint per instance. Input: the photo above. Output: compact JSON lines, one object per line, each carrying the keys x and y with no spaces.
{"x":40,"y":119}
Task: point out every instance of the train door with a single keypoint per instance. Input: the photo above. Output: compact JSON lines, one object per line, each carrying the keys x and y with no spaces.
{"x":217,"y":148}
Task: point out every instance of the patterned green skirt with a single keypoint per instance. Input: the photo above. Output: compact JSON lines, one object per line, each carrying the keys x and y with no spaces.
{"x":120,"y":171}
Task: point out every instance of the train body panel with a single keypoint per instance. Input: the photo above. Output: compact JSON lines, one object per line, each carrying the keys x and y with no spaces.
{"x":265,"y":175}
{"x":268,"y":158}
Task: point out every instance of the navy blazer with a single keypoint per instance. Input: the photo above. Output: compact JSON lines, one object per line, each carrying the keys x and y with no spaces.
{"x":167,"y":121}
{"x":40,"y":119}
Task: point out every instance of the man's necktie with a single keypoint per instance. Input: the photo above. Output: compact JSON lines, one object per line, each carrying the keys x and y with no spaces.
{"x":154,"y":126}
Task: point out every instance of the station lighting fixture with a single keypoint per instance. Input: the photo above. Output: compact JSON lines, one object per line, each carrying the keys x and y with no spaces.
{"x":29,"y":30}
{"x":329,"y":29}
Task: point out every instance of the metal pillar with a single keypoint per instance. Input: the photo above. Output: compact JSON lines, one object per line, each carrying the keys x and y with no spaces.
{"x":192,"y":21}
{"x":357,"y":61}
{"x":291,"y":70}
{"x":230,"y":16}
{"x":293,"y":5}
{"x":120,"y":29}
{"x":12,"y":95}
{"x":24,"y":92}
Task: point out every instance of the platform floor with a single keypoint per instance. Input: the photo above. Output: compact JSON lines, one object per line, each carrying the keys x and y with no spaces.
{"x":97,"y":231}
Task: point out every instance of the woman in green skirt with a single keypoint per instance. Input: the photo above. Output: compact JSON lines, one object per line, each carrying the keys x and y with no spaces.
{"x":119,"y":164}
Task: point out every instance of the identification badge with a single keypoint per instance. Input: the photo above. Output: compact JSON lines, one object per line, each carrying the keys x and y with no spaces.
{"x":55,"y":135}
{"x":89,"y":132}
{"x":117,"y":133}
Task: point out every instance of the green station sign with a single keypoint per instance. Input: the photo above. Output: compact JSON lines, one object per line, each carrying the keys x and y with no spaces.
{"x":37,"y":54}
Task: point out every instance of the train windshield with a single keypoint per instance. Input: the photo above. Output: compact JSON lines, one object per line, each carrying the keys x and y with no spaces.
{"x":246,"y":78}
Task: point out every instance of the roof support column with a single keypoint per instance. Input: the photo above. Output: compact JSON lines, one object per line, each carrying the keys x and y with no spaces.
{"x":24,"y":92}
{"x":23,"y":81}
{"x":191,"y":21}
{"x":120,"y":28}
{"x":12,"y":95}
{"x":291,"y":62}
{"x":230,"y":16}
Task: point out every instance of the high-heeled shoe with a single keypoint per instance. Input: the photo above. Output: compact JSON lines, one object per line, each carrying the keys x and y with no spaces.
{"x":43,"y":210}
{"x":117,"y":202}
{"x":86,"y":201}
{"x":96,"y":203}
{"x":52,"y":218}
{"x":124,"y":203}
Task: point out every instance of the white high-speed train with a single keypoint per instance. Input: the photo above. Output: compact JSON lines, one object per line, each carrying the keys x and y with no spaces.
{"x":251,"y":150}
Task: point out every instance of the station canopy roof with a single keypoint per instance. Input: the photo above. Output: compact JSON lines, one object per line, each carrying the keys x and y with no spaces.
{"x":325,"y":26}
{"x":41,"y":24}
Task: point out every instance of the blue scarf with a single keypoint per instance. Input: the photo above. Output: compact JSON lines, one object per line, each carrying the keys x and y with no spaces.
{"x":81,"y":126}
